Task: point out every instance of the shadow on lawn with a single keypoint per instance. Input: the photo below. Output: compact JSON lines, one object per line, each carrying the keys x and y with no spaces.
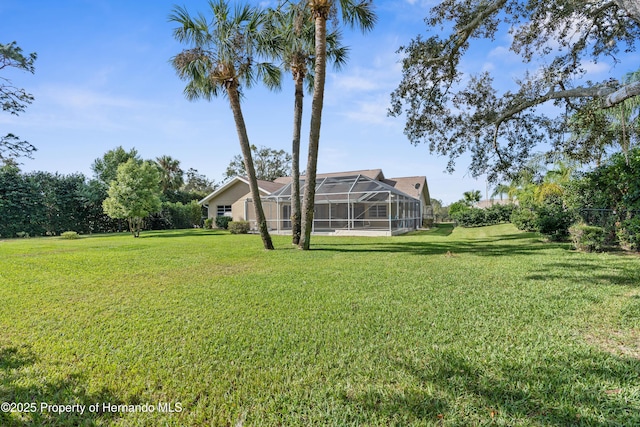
{"x":581,"y":388}
{"x":68,"y":391}
{"x":617,"y":271}
{"x":506,"y":244}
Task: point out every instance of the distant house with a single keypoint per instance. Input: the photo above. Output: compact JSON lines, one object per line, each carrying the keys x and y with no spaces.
{"x":484,"y":204}
{"x":356,"y":202}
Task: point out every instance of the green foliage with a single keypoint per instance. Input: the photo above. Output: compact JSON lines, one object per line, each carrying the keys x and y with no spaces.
{"x":587,"y":238}
{"x":178,"y":216}
{"x":475,"y":217}
{"x":554,"y":220}
{"x":171,"y":176}
{"x":223,"y":222}
{"x":70,"y":235}
{"x":500,"y":128}
{"x":457,"y":207}
{"x":239,"y":227}
{"x":269,"y":164}
{"x":23,"y":234}
{"x":524,"y":219}
{"x":472,"y":217}
{"x":628,"y":232}
{"x":134,"y":194}
{"x":208,"y":223}
{"x":608,"y":195}
{"x":105,"y":168}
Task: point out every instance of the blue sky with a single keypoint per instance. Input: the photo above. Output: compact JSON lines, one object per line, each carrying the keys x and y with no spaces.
{"x":103,"y":79}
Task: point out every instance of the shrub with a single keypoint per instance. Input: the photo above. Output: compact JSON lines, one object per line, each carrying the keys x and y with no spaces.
{"x":587,"y":238}
{"x":238,"y":227}
{"x":23,"y":234}
{"x":554,"y":221}
{"x":223,"y":221}
{"x":628,"y":233}
{"x":70,"y":235}
{"x":472,"y":217}
{"x":524,"y":219}
{"x":499,"y":213}
{"x":208,"y":223}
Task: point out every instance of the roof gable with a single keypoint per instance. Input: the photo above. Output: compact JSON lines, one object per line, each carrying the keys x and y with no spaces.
{"x":265,"y":188}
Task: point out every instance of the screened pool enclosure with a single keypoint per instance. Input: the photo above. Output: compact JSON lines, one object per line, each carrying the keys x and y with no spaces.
{"x":353,"y":204}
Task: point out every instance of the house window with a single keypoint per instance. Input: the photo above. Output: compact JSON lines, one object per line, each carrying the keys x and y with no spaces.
{"x":378,"y":211}
{"x":223,"y":210}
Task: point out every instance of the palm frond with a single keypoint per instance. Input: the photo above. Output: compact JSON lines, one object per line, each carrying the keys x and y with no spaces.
{"x":359,"y":14}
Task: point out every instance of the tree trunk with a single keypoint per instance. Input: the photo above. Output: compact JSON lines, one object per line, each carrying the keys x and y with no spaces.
{"x":245,"y":147}
{"x":296,"y":225}
{"x":308,"y":203}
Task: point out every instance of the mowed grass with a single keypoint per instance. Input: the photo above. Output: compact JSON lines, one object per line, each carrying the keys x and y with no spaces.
{"x":463,"y":327}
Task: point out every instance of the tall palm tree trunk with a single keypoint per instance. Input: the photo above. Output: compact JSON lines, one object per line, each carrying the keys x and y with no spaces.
{"x":308,"y":203}
{"x":234,"y":101}
{"x":296,"y":226}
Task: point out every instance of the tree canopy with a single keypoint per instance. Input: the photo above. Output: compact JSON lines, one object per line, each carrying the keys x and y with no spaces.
{"x":269,"y":164}
{"x":13,"y":99}
{"x":105,"y":168}
{"x":457,"y":113}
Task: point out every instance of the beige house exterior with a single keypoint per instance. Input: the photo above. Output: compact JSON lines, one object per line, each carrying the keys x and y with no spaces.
{"x":360,"y":202}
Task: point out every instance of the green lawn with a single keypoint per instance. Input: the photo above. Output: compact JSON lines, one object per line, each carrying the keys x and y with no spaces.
{"x":468,"y":327}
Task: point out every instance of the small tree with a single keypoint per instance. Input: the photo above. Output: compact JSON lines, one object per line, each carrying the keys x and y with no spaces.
{"x":134,"y":194}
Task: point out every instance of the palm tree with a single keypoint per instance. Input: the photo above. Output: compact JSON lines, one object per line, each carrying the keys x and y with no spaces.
{"x":295,"y":28}
{"x":472,"y":197}
{"x":625,"y":120}
{"x":222,"y":59}
{"x":171,"y":176}
{"x":354,"y":12}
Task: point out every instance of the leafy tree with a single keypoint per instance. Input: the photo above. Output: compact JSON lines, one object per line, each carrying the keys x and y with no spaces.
{"x":360,"y":13}
{"x":105,"y":168}
{"x":224,"y":56}
{"x":500,"y":130}
{"x":13,"y":99}
{"x":171,"y":176}
{"x":198,"y":183}
{"x":269,"y":163}
{"x":134,"y":194}
{"x":294,"y":28}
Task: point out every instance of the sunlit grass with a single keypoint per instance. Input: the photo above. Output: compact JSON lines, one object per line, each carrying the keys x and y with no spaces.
{"x":445,"y":327}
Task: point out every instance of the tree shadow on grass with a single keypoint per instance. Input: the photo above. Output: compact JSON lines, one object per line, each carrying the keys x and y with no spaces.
{"x":187,"y":232}
{"x":14,"y":361}
{"x":620,"y":271}
{"x":500,"y":245}
{"x":581,"y":388}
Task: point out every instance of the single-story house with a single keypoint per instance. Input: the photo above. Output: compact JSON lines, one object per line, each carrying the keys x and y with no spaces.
{"x":356,"y":202}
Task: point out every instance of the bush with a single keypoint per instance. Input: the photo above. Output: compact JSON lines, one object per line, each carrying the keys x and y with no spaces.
{"x":524,"y":219}
{"x":238,"y":227}
{"x":223,"y":222}
{"x":628,"y":233}
{"x":23,"y":234}
{"x":70,"y":235}
{"x":587,"y":238}
{"x":208,"y":223}
{"x":499,"y":213}
{"x":554,"y":221}
{"x":472,"y":217}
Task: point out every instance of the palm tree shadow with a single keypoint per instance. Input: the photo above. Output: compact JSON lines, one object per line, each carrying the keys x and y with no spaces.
{"x":14,"y":361}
